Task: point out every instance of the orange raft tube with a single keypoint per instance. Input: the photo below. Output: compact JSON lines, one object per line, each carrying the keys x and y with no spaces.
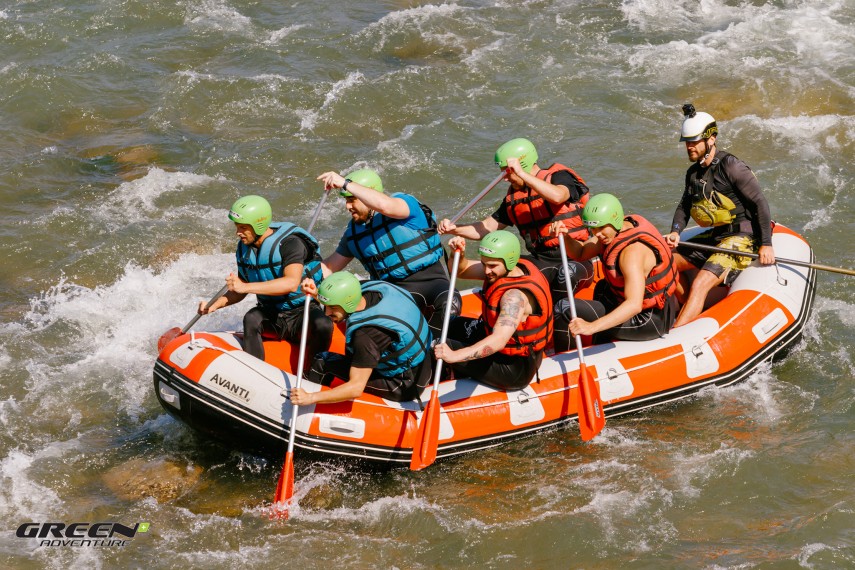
{"x":207,"y":381}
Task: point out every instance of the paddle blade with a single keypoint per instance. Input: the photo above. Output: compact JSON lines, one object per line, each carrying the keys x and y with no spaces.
{"x":591,"y":417}
{"x":167,"y":337}
{"x":427,"y":437}
{"x":284,"y":488}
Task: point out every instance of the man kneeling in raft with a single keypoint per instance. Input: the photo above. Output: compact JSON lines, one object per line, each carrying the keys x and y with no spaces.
{"x":504,"y":347}
{"x":387,"y":342}
{"x":636,"y":299}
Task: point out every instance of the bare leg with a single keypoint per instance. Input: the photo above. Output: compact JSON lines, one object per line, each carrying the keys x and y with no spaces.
{"x":685,"y":275}
{"x":701,"y":286}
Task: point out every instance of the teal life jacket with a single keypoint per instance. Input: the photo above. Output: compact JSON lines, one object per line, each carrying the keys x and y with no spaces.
{"x":398,"y":313}
{"x":389,"y":250}
{"x":264,"y":263}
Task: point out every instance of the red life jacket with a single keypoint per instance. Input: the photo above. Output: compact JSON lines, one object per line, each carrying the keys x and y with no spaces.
{"x":661,"y":282}
{"x":532,"y":215}
{"x":534,"y":332}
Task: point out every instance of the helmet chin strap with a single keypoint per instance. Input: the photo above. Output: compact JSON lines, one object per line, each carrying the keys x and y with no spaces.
{"x":705,"y":161}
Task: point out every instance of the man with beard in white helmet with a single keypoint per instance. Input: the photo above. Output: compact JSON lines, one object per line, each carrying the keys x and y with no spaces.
{"x":721,"y":193}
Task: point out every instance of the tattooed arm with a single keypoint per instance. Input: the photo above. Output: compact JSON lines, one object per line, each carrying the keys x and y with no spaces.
{"x":514,"y":307}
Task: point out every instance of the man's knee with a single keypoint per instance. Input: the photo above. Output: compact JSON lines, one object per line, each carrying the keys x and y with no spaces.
{"x":322,"y":326}
{"x":441,"y":301}
{"x":682,"y":264}
{"x":705,"y":281}
{"x":253,"y":321}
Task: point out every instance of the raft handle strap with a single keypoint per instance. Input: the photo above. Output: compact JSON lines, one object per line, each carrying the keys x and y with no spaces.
{"x":782,"y":281}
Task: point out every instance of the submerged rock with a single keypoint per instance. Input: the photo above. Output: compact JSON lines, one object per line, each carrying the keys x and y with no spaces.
{"x":321,"y":498}
{"x":162,"y":479}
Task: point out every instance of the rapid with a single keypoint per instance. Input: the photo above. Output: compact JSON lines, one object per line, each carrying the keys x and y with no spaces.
{"x":128,"y":129}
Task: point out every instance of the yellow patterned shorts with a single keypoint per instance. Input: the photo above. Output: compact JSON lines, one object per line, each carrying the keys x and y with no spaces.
{"x":721,"y":264}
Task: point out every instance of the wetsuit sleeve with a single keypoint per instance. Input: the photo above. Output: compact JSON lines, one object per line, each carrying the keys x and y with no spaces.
{"x":753,"y":200}
{"x":681,"y":214}
{"x":368,"y":344}
{"x":564,"y":178}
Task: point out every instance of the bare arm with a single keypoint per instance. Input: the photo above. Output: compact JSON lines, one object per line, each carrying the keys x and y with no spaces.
{"x":395,"y":208}
{"x":466,"y":269}
{"x":378,"y":201}
{"x":350,"y":390}
{"x":513,"y":309}
{"x":334,"y":262}
{"x":471,"y":231}
{"x":288,"y":283}
{"x":578,"y":250}
{"x":230,"y":298}
{"x":635,"y":263}
{"x":554,"y":194}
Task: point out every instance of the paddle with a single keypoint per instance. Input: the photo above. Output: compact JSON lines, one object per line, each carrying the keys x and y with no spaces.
{"x":427,"y":436}
{"x":285,"y":486}
{"x":795,"y":262}
{"x":477,"y":198}
{"x":175,"y":332}
{"x":589,"y":406}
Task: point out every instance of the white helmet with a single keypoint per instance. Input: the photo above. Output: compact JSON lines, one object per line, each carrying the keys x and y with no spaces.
{"x":697,"y":126}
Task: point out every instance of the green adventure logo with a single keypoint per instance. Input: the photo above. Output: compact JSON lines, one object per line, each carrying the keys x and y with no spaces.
{"x":81,"y":534}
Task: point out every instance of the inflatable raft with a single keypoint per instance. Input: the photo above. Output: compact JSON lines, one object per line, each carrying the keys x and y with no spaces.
{"x":207,"y":381}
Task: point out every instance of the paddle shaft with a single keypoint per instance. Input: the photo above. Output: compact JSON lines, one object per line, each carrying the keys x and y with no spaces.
{"x":477,"y":198}
{"x":317,"y":213}
{"x":301,"y":362}
{"x":285,"y":488}
{"x":192,"y":322}
{"x":795,"y":262}
{"x":304,"y":332}
{"x":446,"y":318}
{"x":570,"y":298}
{"x":590,"y":407}
{"x":426,"y":440}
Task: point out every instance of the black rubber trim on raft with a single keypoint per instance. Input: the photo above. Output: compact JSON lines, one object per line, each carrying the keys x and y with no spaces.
{"x":220,"y":412}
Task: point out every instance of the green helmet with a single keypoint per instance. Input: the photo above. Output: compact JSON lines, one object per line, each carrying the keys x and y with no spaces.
{"x":503,"y":245}
{"x":342,"y":289}
{"x":520,"y":148}
{"x":253,"y":211}
{"x":601,"y":210}
{"x":364,"y":177}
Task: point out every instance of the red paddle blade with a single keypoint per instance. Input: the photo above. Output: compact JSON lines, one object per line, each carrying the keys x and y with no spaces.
{"x":284,"y":488}
{"x":167,"y":337}
{"x":590,"y":408}
{"x":427,"y":437}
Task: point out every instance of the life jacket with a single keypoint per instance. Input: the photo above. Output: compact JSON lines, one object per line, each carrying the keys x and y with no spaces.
{"x":264,"y":263}
{"x":532,"y":214}
{"x":661,"y":282}
{"x":535,"y":331}
{"x":711,"y":206}
{"x":398,"y":313}
{"x":390,"y":250}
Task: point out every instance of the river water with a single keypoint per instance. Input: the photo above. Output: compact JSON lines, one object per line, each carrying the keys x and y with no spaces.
{"x":130,"y":126}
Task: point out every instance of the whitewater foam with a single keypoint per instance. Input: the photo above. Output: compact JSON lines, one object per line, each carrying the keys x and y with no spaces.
{"x":216,"y":15}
